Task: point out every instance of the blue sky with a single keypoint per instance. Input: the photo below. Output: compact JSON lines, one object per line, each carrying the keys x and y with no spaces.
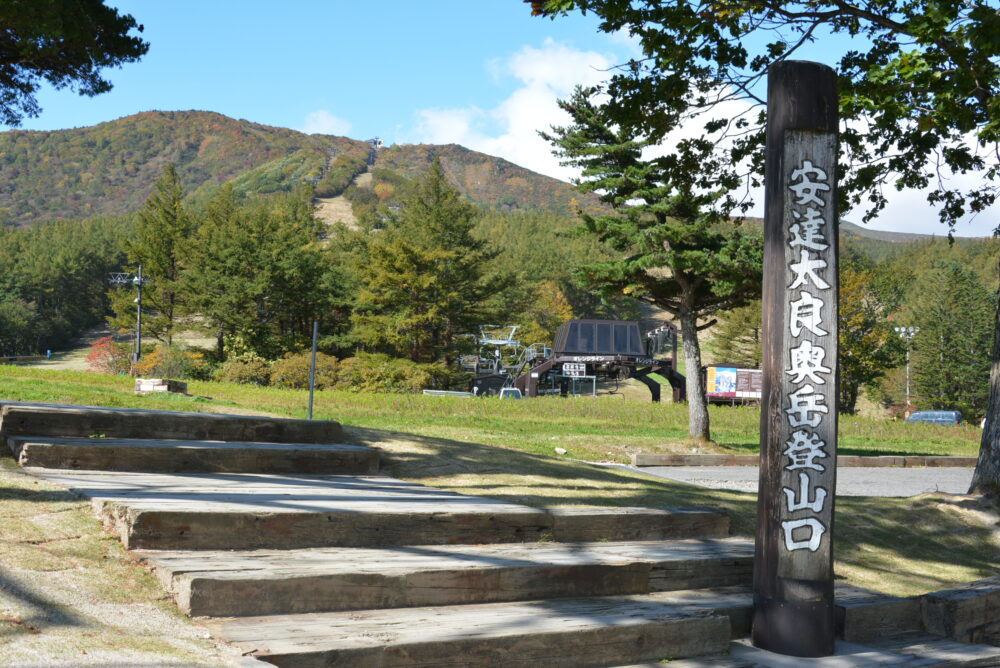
{"x":482,"y":73}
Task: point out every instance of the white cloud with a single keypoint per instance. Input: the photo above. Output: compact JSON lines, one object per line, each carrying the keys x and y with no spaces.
{"x":323,"y":122}
{"x":547,"y":73}
{"x":510,"y":130}
{"x":909,"y":211}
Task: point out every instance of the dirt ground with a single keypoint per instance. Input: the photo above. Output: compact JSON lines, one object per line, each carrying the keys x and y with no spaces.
{"x":71,"y":596}
{"x":74,"y":358}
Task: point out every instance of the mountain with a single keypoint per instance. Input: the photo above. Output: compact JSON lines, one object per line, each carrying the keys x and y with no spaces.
{"x":860,"y":231}
{"x":110,"y":168}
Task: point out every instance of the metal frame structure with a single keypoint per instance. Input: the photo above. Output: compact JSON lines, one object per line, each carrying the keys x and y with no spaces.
{"x":607,"y":349}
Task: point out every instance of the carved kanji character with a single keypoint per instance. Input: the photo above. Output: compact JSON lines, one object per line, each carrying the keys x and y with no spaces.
{"x":802,"y":501}
{"x":808,"y":231}
{"x":804,"y":402}
{"x":804,"y":449}
{"x":806,"y":313}
{"x":805,"y":191}
{"x":816,"y":531}
{"x":806,"y":268}
{"x":807,"y":362}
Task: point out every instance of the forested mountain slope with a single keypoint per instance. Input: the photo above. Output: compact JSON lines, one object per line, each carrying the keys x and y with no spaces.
{"x":110,"y":168}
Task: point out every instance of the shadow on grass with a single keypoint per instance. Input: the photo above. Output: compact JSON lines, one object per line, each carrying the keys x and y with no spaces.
{"x":911,"y":545}
{"x":537,"y":480}
{"x":42,"y":613}
{"x":927,"y":536}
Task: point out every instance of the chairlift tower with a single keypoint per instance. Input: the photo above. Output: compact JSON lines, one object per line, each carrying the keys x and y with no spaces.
{"x":124,"y":278}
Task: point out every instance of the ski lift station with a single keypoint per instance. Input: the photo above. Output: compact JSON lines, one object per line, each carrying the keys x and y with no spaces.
{"x":584,"y":353}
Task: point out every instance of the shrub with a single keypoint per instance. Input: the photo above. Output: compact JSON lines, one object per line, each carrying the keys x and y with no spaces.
{"x":171,"y":362}
{"x":292,"y":371}
{"x":108,"y":356}
{"x":369,"y":372}
{"x":246,"y":369}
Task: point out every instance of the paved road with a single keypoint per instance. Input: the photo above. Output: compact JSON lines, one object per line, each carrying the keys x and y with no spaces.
{"x":851,"y":481}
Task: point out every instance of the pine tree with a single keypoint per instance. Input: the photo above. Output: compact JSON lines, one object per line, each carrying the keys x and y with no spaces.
{"x":158,"y":244}
{"x":675,"y":246}
{"x":736,"y":339}
{"x":258,"y":277}
{"x":421,"y":276}
{"x":950,"y":355}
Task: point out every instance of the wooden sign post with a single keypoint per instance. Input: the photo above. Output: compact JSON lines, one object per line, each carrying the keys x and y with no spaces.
{"x":793,"y":567}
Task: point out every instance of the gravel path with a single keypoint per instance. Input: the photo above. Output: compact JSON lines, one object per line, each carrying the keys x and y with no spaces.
{"x":850,"y":481}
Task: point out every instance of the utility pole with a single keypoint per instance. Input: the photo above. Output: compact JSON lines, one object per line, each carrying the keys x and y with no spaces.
{"x":907,"y":334}
{"x":138,"y":317}
{"x":123,"y":278}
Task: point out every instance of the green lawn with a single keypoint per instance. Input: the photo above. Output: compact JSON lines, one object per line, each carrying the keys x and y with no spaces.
{"x":607,"y":428}
{"x":900,"y":546}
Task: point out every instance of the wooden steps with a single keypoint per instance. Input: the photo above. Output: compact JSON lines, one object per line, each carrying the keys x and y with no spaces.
{"x":303,"y":568}
{"x":180,"y":456}
{"x":18,"y":419}
{"x":257,"y":511}
{"x":556,"y":633}
{"x":264,"y":582}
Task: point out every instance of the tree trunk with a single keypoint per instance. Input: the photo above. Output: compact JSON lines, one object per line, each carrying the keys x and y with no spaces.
{"x":986,"y":478}
{"x":698,"y":427}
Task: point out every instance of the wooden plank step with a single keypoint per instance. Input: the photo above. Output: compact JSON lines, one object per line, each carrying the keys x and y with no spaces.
{"x":114,"y":454}
{"x":908,"y":650}
{"x":930,"y":651}
{"x":558,"y":633}
{"x":261,"y":511}
{"x":18,"y":419}
{"x":863,"y":615}
{"x":268,"y":582}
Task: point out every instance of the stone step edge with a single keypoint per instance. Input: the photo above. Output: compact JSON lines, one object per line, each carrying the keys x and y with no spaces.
{"x":847,"y":461}
{"x":733,"y":604}
{"x":916,"y":649}
{"x":192,"y":456}
{"x":83,"y":441}
{"x":529,"y":573}
{"x":556,"y":633}
{"x":56,"y":420}
{"x":145,"y":528}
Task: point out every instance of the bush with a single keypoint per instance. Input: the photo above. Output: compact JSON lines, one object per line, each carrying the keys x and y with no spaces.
{"x":171,"y":362}
{"x":380,"y":373}
{"x":108,"y":356}
{"x":292,"y":371}
{"x":246,"y":369}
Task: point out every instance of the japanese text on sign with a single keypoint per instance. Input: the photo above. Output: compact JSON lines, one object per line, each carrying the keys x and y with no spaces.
{"x":808,"y":368}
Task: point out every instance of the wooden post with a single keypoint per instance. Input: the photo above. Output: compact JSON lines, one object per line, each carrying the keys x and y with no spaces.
{"x":793,"y":567}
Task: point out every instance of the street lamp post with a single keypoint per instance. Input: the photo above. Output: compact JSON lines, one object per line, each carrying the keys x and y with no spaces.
{"x":907,"y":334}
{"x":121,"y":278}
{"x":138,"y":317}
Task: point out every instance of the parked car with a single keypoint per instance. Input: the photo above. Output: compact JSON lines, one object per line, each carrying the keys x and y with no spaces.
{"x":938,"y":417}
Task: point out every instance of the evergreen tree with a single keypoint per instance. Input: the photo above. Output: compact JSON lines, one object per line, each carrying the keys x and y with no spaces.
{"x":676,"y":248}
{"x":949,"y":357}
{"x":61,"y":42}
{"x":158,"y":244}
{"x":258,"y":276}
{"x":736,"y":339}
{"x":917,"y":95}
{"x":421,"y":277}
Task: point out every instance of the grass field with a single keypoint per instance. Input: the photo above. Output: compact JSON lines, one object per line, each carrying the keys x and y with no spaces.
{"x":504,"y":450}
{"x":608,"y":428}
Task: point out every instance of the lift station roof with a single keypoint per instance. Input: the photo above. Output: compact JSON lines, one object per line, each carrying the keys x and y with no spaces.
{"x":599,"y":337}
